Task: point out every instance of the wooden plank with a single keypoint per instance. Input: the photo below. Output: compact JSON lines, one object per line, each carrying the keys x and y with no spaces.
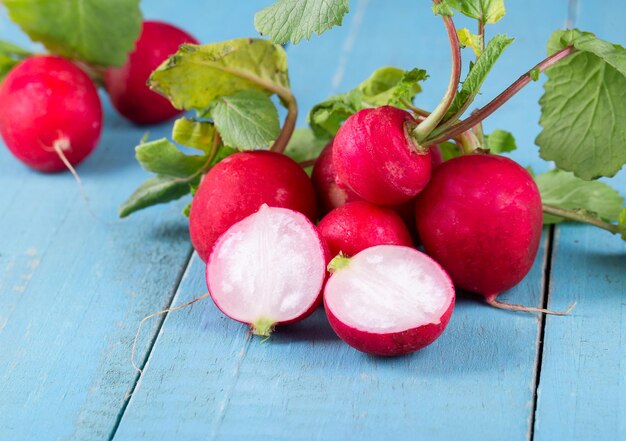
{"x":72,"y":289}
{"x":583,"y":374}
{"x":207,"y":378}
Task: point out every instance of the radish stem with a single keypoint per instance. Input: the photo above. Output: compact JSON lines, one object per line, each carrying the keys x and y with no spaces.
{"x":481,"y":114}
{"x":424,"y":128}
{"x":583,"y":217}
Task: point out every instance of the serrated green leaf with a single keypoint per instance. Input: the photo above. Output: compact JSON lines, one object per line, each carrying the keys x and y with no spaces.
{"x":390,"y":85}
{"x":156,"y":190}
{"x":613,"y":54}
{"x":95,"y":31}
{"x":583,"y":116}
{"x":326,"y":117}
{"x":247,"y":120}
{"x":564,"y":190}
{"x":449,"y":150}
{"x":489,"y":11}
{"x":443,"y":9}
{"x":196,"y":75}
{"x":195,"y":134}
{"x":304,"y":145}
{"x":161,"y":157}
{"x":500,"y":141}
{"x":10,"y":55}
{"x":476,"y":76}
{"x":467,"y":39}
{"x":293,"y":20}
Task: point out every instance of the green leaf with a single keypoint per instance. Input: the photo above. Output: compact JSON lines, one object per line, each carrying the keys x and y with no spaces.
{"x":583,"y":115}
{"x":196,"y":75}
{"x":10,"y":55}
{"x":390,"y":86}
{"x":449,"y":150}
{"x":477,"y":75}
{"x":304,"y":145}
{"x":443,"y":9}
{"x":326,"y":117}
{"x":500,"y":141}
{"x":98,"y":32}
{"x":467,"y":39}
{"x":613,"y":54}
{"x":163,"y":158}
{"x":489,"y":11}
{"x":386,"y":86}
{"x":293,"y":20}
{"x":247,"y":120}
{"x":564,"y":190}
{"x":535,"y":73}
{"x":622,"y":222}
{"x":156,"y":190}
{"x":195,"y":134}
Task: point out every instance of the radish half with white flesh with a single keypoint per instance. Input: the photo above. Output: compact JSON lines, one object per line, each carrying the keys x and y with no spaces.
{"x":388,"y":300}
{"x":268,"y":269}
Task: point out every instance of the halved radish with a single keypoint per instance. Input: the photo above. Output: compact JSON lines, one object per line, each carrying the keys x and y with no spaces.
{"x":388,"y":300}
{"x":268,"y":269}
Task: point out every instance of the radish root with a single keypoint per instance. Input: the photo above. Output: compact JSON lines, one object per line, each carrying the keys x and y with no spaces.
{"x":132,"y":354}
{"x":514,"y":307}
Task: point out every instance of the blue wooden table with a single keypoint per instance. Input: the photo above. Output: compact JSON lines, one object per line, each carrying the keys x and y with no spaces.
{"x":73,"y":290}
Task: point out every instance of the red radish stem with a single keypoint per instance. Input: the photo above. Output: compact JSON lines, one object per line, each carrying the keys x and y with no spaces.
{"x":238,"y":185}
{"x":388,"y":300}
{"x":127,"y":86}
{"x":480,"y":217}
{"x":268,"y":269}
{"x":358,"y":225}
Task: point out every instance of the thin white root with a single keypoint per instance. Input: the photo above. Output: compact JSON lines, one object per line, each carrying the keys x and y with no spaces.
{"x":132,"y":355}
{"x":60,"y":145}
{"x":514,"y":307}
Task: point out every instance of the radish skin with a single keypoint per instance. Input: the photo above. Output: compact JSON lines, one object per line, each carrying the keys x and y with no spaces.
{"x":51,"y":113}
{"x":374,"y":156}
{"x":388,"y":300}
{"x":358,"y":225}
{"x":127,"y":86}
{"x":268,"y":269}
{"x":480,"y":217}
{"x":238,"y":186}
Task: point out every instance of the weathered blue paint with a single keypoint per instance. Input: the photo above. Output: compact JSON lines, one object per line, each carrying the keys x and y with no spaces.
{"x":582,"y":391}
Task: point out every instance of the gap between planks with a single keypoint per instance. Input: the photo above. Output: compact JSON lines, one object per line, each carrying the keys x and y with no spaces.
{"x":168,"y":304}
{"x":541,"y":330}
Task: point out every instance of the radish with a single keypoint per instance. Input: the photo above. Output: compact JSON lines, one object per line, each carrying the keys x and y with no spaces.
{"x":51,"y":116}
{"x":388,"y":300}
{"x":358,"y":225}
{"x":238,"y":185}
{"x":127,"y":86}
{"x":480,"y":217}
{"x":331,"y":193}
{"x":375,"y":157}
{"x":268,"y":269}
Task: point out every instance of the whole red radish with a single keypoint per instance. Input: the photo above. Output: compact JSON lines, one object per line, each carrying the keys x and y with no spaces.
{"x":50,"y":110}
{"x":127,"y":86}
{"x":388,"y":300}
{"x":480,"y":217}
{"x":358,"y":225}
{"x":331,"y":193}
{"x":238,"y":186}
{"x":375,"y":157}
{"x":268,"y":269}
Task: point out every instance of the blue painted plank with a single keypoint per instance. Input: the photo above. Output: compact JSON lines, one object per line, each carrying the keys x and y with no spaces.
{"x":72,"y":290}
{"x":207,"y":378}
{"x":583,"y":374}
